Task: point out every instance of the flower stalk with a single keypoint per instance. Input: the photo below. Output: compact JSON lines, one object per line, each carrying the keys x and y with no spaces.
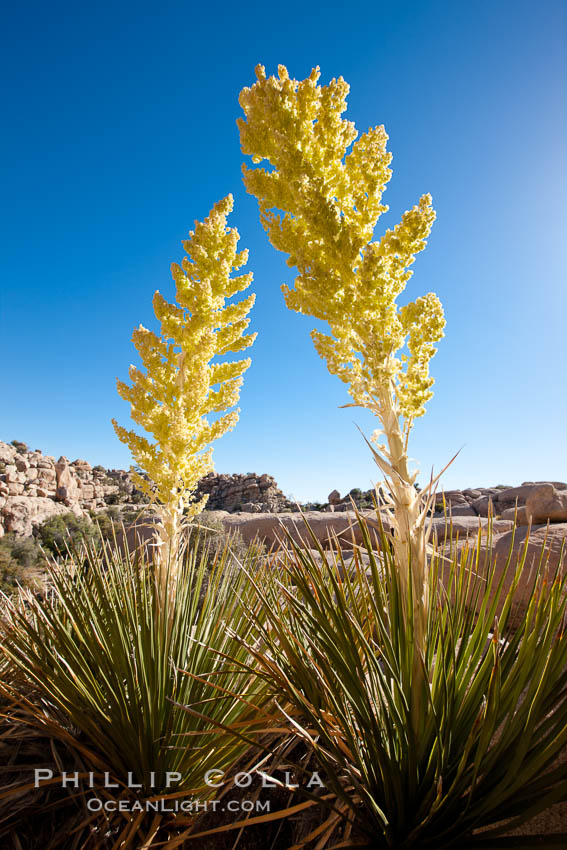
{"x":183,"y":384}
{"x":319,"y":203}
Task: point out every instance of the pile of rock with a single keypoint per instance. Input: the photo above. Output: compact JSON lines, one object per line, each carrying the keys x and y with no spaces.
{"x":499,"y":542}
{"x":535,"y":501}
{"x":243,"y":492}
{"x":34,"y":486}
{"x":35,"y":475}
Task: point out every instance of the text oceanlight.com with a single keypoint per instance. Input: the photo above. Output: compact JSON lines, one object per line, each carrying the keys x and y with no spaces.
{"x":95,"y":804}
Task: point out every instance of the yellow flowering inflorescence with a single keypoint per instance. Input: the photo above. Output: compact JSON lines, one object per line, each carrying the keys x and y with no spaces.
{"x":320,"y":205}
{"x":180,"y":385}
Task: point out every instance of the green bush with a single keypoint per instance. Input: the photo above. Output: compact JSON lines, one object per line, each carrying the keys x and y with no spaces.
{"x":123,"y":497}
{"x":314,"y":506}
{"x":11,"y":572}
{"x":106,"y":520}
{"x":108,"y":523}
{"x":362,"y":498}
{"x":24,"y":550}
{"x":114,"y":499}
{"x":17,"y":554}
{"x":21,"y":447}
{"x":64,"y":531}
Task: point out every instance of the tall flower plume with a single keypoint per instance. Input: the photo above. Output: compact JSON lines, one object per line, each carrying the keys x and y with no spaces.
{"x":180,"y":385}
{"x":320,"y":199}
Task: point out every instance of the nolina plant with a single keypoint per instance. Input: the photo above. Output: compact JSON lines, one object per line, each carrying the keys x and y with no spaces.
{"x":130,"y":651}
{"x":331,"y":202}
{"x":173,"y":397}
{"x":430,"y":715}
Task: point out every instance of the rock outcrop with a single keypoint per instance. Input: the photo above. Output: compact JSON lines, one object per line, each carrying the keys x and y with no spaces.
{"x":546,"y":502}
{"x":342,"y":525}
{"x":248,"y":492}
{"x":506,"y":503}
{"x":498,"y":543}
{"x":34,"y":487}
{"x":21,"y":514}
{"x":546,"y":551}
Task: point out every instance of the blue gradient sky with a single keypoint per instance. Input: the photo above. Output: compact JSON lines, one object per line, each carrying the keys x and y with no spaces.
{"x":119,"y":131}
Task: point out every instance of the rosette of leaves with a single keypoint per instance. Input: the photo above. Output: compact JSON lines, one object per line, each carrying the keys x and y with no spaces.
{"x":476,"y":758}
{"x":130,"y":688}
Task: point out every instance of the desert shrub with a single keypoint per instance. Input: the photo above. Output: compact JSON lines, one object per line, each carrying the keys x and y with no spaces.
{"x":24,"y":550}
{"x":362,"y":498}
{"x":115,"y":498}
{"x":130,"y":514}
{"x":65,"y":530}
{"x":21,"y":551}
{"x":106,"y":521}
{"x":21,"y":447}
{"x":315,"y":506}
{"x":126,"y":493}
{"x":11,"y":572}
{"x":209,"y":532}
{"x":107,"y":524}
{"x":17,"y":556}
{"x":10,"y":577}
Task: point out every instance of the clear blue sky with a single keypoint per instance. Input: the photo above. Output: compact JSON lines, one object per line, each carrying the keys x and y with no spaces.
{"x":119,"y":131}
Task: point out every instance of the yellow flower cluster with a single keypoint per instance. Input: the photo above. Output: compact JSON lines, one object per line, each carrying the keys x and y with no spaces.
{"x":180,"y":385}
{"x":320,"y":205}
